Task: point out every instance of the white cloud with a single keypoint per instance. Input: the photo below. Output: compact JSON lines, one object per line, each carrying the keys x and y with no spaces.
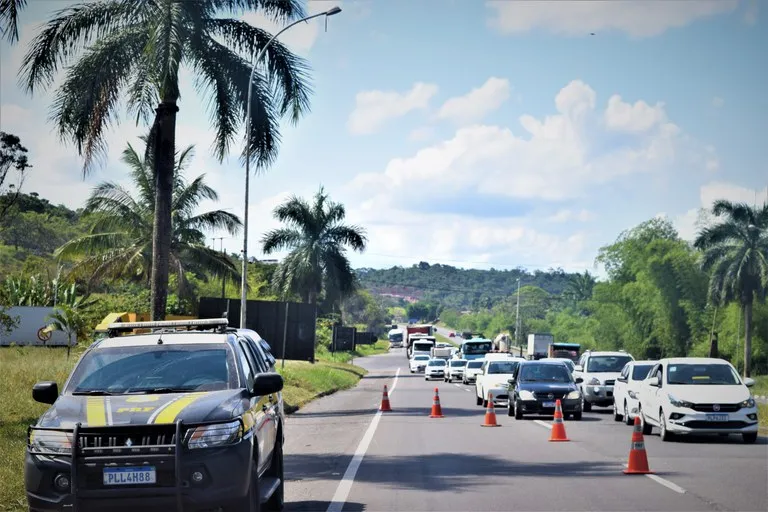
{"x":718,"y":102}
{"x":637,"y":118}
{"x":579,"y":18}
{"x":374,"y":108}
{"x":477,"y":103}
{"x":421,"y":134}
{"x":571,"y":216}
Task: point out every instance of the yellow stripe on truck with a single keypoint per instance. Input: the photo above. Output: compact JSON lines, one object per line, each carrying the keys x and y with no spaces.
{"x":96,"y":414}
{"x":169,"y":413}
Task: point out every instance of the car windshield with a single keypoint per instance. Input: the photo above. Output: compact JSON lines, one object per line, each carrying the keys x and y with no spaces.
{"x":396,"y":337}
{"x":604,"y":364}
{"x":640,"y":371}
{"x":437,"y":362}
{"x":502,"y":367}
{"x":155,"y":369}
{"x":458,"y":363}
{"x":568,"y":363}
{"x":477,"y":348}
{"x":544,"y":373}
{"x":709,"y":374}
{"x":423,"y":347}
{"x":474,"y":364}
{"x":421,"y":358}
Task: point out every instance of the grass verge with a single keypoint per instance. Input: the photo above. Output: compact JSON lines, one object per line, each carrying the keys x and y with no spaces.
{"x":324,"y":355}
{"x":444,"y":339}
{"x":306,"y":381}
{"x":762,"y":417}
{"x":761,"y":385}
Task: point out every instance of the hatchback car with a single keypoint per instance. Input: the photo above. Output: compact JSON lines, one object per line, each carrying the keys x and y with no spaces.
{"x":537,"y":385}
{"x":435,"y":369}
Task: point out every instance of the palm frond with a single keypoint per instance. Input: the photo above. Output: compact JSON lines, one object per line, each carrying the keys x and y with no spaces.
{"x":353,"y":236}
{"x":9,"y":19}
{"x":280,"y":239}
{"x":215,"y":220}
{"x":277,"y":10}
{"x":297,"y":212}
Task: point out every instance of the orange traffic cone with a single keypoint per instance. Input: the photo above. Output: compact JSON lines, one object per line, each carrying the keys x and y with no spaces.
{"x":490,"y":414}
{"x":437,"y":411}
{"x":384,"y":407}
{"x":638,"y":459}
{"x":558,"y":427}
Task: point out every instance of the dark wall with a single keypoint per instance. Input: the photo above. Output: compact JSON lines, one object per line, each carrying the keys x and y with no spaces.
{"x":268,"y":319}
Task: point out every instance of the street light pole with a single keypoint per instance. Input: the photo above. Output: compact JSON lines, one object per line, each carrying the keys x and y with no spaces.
{"x":259,"y":56}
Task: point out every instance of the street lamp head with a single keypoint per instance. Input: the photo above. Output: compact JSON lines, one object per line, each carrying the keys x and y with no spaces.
{"x":333,"y":10}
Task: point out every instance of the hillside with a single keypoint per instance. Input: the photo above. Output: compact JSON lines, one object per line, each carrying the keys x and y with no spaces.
{"x":458,"y":288}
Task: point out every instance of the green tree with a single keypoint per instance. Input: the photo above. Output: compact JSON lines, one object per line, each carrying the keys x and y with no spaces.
{"x":316,"y":240}
{"x":580,"y":286}
{"x":9,"y":15}
{"x":133,"y":51}
{"x":13,"y":157}
{"x":736,"y":253}
{"x":68,"y":320}
{"x":119,"y":243}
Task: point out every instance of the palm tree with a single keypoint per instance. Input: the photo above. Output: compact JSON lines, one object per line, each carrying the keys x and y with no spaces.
{"x":581,"y":286}
{"x":119,"y":244}
{"x":68,"y":320}
{"x":9,"y":14}
{"x":316,"y":239}
{"x":132,"y":50}
{"x":736,"y":253}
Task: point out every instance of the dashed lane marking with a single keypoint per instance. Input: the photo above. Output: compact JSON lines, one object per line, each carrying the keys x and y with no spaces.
{"x":543,"y":424}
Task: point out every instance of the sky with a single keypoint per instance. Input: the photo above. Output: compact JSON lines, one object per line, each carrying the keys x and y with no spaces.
{"x":477,"y":134}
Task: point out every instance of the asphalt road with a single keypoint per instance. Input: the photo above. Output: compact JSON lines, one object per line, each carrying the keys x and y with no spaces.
{"x":407,"y":461}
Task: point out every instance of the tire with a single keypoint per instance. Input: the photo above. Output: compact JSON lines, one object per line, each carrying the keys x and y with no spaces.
{"x":627,"y":419}
{"x":510,"y":410}
{"x":252,"y":501}
{"x":749,"y":437}
{"x":577,"y":416}
{"x":586,"y":406}
{"x":616,"y":415}
{"x":276,"y":502}
{"x":478,"y":400}
{"x":665,"y":434}
{"x":450,"y":380}
{"x":518,"y":412}
{"x":647,"y":427}
{"x":485,"y":402}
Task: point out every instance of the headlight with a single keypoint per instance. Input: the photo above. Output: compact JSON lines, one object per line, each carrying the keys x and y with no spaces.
{"x":527,"y":395}
{"x":209,"y":436}
{"x":748,"y":403}
{"x":573,"y":395}
{"x":632,"y":395}
{"x":54,"y":442}
{"x":594,"y":381}
{"x":679,"y":403}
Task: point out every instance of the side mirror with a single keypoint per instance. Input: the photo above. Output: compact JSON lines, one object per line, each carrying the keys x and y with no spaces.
{"x":578,"y":368}
{"x":267,"y":383}
{"x":45,"y":392}
{"x":749,"y":382}
{"x":579,"y":380}
{"x":653,"y":381}
{"x":621,"y":379}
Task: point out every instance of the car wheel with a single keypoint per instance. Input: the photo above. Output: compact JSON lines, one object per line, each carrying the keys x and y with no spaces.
{"x":627,"y":419}
{"x":577,"y":416}
{"x":665,"y":434}
{"x":251,"y":502}
{"x":411,"y":371}
{"x":485,"y":402}
{"x":585,"y":406}
{"x":510,"y":409}
{"x":478,"y":399}
{"x":518,"y":412}
{"x":616,"y":415}
{"x":749,"y":437}
{"x":276,"y":502}
{"x":647,"y":427}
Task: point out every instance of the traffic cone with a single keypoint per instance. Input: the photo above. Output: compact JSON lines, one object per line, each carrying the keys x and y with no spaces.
{"x":558,"y":427}
{"x":638,"y":459}
{"x":384,"y":407}
{"x":490,"y":414}
{"x":437,"y":411}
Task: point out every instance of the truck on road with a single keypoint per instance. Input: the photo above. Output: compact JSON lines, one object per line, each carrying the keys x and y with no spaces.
{"x":476,"y":348}
{"x":564,"y":350}
{"x":421,"y":345}
{"x":415,"y":330}
{"x":441,"y":352}
{"x":538,"y":345}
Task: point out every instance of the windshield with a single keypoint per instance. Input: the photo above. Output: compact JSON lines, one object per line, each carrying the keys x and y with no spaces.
{"x":396,"y":337}
{"x":605,"y":364}
{"x":152,"y":369}
{"x":640,"y":371}
{"x":437,"y":362}
{"x":502,"y":367}
{"x":544,"y":373}
{"x":477,"y":348}
{"x":458,"y":363}
{"x":710,"y":374}
{"x":421,"y":358}
{"x":474,"y":364}
{"x":422,"y":347}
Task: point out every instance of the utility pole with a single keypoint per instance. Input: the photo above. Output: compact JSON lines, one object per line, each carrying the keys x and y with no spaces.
{"x":517,"y":315}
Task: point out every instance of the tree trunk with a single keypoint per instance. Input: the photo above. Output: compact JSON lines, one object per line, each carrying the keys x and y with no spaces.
{"x":164,"y":154}
{"x":748,"y":339}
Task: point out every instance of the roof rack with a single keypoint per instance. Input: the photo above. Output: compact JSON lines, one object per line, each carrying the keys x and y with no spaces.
{"x":217,"y":324}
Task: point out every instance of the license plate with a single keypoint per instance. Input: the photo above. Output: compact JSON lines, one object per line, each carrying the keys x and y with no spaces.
{"x":130,"y":476}
{"x":717,"y":417}
{"x":548,"y":405}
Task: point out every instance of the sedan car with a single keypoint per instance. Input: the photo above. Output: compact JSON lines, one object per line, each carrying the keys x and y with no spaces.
{"x":472,"y":370}
{"x":455,"y":369}
{"x":435,"y":369}
{"x":626,"y":391}
{"x":537,"y":385}
{"x":418,"y":362}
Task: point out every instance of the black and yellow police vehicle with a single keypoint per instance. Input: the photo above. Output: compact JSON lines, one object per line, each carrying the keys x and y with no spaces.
{"x":185,"y":416}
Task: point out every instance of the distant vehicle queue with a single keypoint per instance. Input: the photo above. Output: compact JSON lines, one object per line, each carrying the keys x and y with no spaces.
{"x":677,"y":396}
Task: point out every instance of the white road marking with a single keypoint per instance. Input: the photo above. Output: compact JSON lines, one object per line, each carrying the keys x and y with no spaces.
{"x":457,"y":385}
{"x":543,"y":424}
{"x":345,"y":485}
{"x":666,"y":483}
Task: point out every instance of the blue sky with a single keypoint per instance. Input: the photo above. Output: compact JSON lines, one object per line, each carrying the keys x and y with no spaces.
{"x":482,"y":134}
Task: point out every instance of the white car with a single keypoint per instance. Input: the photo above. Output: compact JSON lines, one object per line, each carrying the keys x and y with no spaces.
{"x":418,"y":362}
{"x":495,"y":380}
{"x":697,"y":395}
{"x":472,"y":370}
{"x":435,"y":369}
{"x":627,"y":389}
{"x":599,"y":371}
{"x":455,"y":370}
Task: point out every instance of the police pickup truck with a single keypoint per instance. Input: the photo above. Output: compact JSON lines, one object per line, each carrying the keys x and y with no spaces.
{"x":184,"y":415}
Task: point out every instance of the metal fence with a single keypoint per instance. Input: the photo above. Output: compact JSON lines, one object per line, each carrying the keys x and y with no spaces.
{"x":282,"y":324}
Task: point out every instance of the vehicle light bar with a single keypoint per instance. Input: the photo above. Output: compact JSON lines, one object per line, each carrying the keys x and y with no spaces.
{"x":169,"y":324}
